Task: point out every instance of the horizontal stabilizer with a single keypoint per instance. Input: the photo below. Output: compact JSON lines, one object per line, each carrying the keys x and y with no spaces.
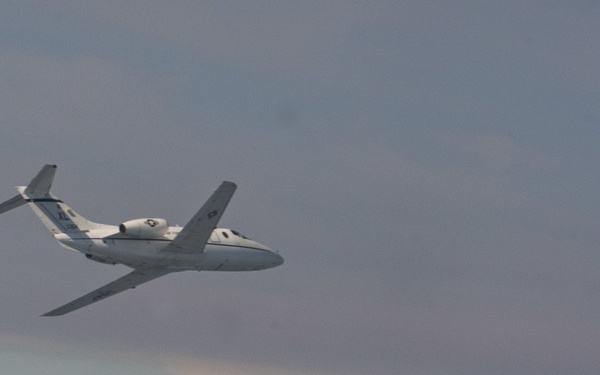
{"x":13,"y":202}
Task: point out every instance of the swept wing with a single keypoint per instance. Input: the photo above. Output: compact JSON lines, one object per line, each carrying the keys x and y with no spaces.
{"x":195,"y":234}
{"x":131,"y":280}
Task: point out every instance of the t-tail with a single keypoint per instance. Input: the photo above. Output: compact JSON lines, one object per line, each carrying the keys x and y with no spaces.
{"x":57,"y":216}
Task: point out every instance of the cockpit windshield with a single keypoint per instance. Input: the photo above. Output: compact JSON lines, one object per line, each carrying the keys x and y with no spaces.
{"x":239,"y":234}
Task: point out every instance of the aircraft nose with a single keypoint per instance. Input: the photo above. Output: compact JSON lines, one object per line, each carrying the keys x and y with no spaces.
{"x":277,"y":260}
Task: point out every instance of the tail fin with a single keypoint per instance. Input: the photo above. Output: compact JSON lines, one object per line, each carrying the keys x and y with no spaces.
{"x":41,"y":183}
{"x":57,"y":216}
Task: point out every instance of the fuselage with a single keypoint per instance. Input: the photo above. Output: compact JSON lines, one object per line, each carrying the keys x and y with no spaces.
{"x":226,"y":250}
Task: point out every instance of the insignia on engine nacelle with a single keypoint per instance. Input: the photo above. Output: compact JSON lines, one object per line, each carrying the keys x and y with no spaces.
{"x":151,"y":228}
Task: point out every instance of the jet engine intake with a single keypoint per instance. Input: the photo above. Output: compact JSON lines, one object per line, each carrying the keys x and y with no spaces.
{"x":151,"y":228}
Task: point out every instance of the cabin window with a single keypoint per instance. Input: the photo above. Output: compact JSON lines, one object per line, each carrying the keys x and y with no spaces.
{"x":225,"y":234}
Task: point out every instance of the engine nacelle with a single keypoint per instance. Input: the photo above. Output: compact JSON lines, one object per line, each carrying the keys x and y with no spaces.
{"x":151,"y":228}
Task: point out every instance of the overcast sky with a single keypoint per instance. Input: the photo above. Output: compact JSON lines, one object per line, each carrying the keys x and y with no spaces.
{"x":428,"y":170}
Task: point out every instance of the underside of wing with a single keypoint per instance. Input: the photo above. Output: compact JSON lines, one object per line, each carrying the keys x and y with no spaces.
{"x":131,"y":280}
{"x":195,"y":234}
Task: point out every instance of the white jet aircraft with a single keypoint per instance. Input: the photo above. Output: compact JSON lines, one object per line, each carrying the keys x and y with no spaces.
{"x":149,"y":245}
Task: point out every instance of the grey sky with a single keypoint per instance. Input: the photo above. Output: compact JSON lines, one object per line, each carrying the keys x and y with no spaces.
{"x":428,"y":171}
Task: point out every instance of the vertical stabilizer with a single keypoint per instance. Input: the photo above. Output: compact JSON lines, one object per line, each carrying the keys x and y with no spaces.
{"x":56,"y":215}
{"x":40,"y":185}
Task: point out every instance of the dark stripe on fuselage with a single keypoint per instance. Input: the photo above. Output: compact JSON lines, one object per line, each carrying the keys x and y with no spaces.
{"x":128,"y":239}
{"x":167,"y":240}
{"x":35,"y":200}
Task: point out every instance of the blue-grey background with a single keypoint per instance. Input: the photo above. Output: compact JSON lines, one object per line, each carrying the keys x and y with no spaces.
{"x":429,"y":171}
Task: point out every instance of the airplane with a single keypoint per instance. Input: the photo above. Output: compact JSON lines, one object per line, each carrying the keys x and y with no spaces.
{"x":148,"y":245}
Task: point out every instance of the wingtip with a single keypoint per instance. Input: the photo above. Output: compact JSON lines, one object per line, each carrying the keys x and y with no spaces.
{"x":52,"y":313}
